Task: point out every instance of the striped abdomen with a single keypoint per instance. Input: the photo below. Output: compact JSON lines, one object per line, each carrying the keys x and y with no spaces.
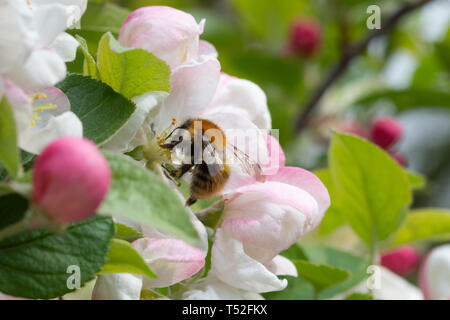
{"x":203,"y":185}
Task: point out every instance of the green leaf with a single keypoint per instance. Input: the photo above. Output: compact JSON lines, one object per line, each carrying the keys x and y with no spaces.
{"x":298,"y":288}
{"x":101,"y":110}
{"x":131,"y":72}
{"x":9,"y":152}
{"x":123,"y":258}
{"x":416,"y":180}
{"x":320,"y":276}
{"x":89,"y":64}
{"x":13,"y":208}
{"x":422,"y":225}
{"x":332,"y":218}
{"x":354,"y":265}
{"x":103,"y":17}
{"x":359,"y":296}
{"x":127,"y":233}
{"x":138,"y":195}
{"x":35,"y":264}
{"x":370,"y":185}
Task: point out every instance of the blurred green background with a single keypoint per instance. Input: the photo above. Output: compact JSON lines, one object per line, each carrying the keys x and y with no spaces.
{"x":404,"y":74}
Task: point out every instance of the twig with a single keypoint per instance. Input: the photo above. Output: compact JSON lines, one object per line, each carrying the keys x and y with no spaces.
{"x":352,"y":52}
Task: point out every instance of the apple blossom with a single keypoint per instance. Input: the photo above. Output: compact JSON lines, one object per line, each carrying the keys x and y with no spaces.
{"x":70,"y":180}
{"x":260,"y":220}
{"x":434,"y":274}
{"x":197,"y":87}
{"x":402,"y":260}
{"x":33,"y":47}
{"x":33,"y":52}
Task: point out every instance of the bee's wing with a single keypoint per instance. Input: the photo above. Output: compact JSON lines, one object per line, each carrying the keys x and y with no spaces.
{"x":212,"y":158}
{"x":236,"y":157}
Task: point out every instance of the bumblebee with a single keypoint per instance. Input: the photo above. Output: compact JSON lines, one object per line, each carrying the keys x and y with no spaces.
{"x":209,"y":157}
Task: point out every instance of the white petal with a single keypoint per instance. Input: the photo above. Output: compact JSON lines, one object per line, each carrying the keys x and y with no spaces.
{"x":390,"y":287}
{"x":44,"y":68}
{"x":63,"y":125}
{"x":17,"y":34}
{"x":214,"y":289}
{"x":282,"y":266}
{"x":65,"y":46}
{"x":49,"y":21}
{"x":122,"y":140}
{"x":434,"y":276}
{"x":242,"y":98}
{"x":118,"y":286}
{"x":233,"y":266}
{"x":72,"y":9}
{"x":193,"y":86}
{"x":243,"y":134}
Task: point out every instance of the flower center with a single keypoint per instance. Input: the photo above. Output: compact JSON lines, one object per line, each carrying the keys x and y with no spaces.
{"x":37,"y":110}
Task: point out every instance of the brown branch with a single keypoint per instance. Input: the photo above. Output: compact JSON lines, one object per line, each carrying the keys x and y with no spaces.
{"x":352,"y":52}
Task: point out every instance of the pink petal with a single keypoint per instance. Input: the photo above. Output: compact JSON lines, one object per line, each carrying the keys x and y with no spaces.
{"x":172,"y":260}
{"x":207,"y":49}
{"x":276,"y":156}
{"x":266,"y":223}
{"x":307,"y":181}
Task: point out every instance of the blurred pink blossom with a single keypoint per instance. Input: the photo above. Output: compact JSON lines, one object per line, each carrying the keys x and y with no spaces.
{"x":402,"y":260}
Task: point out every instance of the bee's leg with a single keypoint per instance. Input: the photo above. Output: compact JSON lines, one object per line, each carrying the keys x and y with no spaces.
{"x":190,"y":201}
{"x":185,"y":167}
{"x":171,"y":144}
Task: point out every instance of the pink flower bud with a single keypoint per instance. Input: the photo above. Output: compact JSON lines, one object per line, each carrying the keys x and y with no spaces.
{"x":170,"y":34}
{"x":70,"y":180}
{"x":385,"y":132}
{"x":305,"y":37}
{"x":402,"y":261}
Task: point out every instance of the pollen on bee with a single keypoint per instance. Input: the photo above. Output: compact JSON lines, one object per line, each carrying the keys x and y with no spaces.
{"x":174,"y":121}
{"x":179,"y":184}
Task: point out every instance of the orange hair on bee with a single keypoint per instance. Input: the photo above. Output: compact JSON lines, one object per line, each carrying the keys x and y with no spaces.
{"x":211,"y":127}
